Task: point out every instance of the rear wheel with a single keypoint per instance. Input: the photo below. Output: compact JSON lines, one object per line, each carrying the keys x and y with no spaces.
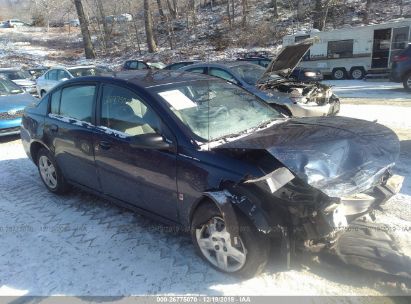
{"x":42,"y":93}
{"x":50,"y":173}
{"x":407,"y":82}
{"x":213,"y":243}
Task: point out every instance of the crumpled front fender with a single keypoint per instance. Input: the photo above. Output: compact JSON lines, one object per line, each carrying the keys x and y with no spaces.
{"x":227,"y":203}
{"x":223,"y":200}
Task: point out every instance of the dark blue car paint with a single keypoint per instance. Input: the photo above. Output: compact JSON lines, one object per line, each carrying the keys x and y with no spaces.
{"x":169,"y":184}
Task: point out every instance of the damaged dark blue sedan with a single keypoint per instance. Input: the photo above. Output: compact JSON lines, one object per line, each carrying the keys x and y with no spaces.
{"x":203,"y":153}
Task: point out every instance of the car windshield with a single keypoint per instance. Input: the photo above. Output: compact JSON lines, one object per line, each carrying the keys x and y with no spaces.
{"x":217,"y":109}
{"x":79,"y":72}
{"x":15,"y":75}
{"x":7,"y":87}
{"x":250,"y":73}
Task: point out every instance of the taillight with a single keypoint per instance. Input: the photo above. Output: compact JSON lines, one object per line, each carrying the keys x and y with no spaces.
{"x":400,"y":58}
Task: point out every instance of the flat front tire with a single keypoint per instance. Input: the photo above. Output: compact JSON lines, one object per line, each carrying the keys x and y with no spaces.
{"x":213,"y":243}
{"x":50,"y":173}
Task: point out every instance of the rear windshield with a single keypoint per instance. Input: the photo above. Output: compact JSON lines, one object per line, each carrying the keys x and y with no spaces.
{"x":15,"y":75}
{"x":79,"y":72}
{"x":8,"y":88}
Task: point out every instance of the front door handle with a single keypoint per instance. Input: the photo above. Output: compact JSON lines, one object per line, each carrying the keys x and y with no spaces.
{"x":54,"y":128}
{"x":105,"y":145}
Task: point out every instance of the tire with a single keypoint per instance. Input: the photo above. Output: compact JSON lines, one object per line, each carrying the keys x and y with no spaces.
{"x":339,"y":74}
{"x":253,"y":251}
{"x":42,"y":93}
{"x":50,"y":173}
{"x":407,"y":82}
{"x":357,"y":73}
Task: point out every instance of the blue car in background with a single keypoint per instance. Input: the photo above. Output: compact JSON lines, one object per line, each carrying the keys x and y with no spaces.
{"x":13,"y":100}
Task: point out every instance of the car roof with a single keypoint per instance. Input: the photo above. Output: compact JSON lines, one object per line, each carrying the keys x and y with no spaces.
{"x":220,"y":64}
{"x":10,"y":69}
{"x":148,"y":78}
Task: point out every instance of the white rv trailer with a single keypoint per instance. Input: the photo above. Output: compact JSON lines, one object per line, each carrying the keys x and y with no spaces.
{"x":355,"y":51}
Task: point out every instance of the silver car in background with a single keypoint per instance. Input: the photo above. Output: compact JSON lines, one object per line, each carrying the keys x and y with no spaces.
{"x":56,"y":75}
{"x":293,"y":98}
{"x":21,"y":78}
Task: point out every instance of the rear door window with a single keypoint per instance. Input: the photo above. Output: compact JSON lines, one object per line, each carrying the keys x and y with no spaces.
{"x":53,"y":75}
{"x":77,"y":102}
{"x":133,"y":65}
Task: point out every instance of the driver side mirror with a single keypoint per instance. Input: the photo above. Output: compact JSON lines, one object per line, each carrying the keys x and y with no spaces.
{"x":150,"y":141}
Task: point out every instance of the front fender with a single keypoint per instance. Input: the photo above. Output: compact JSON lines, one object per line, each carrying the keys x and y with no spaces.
{"x":223,"y":201}
{"x":227,"y":203}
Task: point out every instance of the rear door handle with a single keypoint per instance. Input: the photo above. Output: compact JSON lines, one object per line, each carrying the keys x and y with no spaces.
{"x":54,"y":128}
{"x":105,"y":145}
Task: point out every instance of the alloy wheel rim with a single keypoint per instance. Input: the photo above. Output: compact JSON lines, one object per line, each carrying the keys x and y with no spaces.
{"x":48,"y":172}
{"x":409,"y":82}
{"x":214,"y":242}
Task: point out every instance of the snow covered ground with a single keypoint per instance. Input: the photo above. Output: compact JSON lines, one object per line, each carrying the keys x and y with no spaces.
{"x":79,"y":244}
{"x":371,"y":90}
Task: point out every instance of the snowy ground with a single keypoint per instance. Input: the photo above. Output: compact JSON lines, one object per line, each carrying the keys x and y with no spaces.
{"x":370,"y":91}
{"x":80,"y":244}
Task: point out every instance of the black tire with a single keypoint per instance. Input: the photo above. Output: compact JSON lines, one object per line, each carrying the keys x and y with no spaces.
{"x":256,"y":244}
{"x":357,"y":73}
{"x":339,"y":74}
{"x":42,"y":93}
{"x":407,"y":82}
{"x":61,"y":186}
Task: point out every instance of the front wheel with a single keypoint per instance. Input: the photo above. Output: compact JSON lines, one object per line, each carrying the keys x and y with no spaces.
{"x":213,"y":243}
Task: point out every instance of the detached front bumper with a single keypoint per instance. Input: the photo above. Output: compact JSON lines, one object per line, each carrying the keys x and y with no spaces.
{"x":337,"y":216}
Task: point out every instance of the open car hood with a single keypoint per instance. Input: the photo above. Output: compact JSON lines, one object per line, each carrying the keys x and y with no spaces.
{"x":288,"y":58}
{"x":339,"y":156}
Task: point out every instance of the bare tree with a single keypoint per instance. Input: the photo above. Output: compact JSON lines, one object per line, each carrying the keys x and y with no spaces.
{"x":160,"y":9}
{"x":274,"y":5}
{"x":321,"y":9}
{"x":148,"y":22}
{"x":367,"y":11}
{"x":172,"y":8}
{"x":244,"y":4}
{"x":103,"y":20}
{"x":88,"y":46}
{"x":229,"y":14}
{"x":46,"y":8}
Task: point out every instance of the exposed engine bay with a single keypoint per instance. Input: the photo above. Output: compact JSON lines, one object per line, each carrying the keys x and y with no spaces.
{"x":305,"y":93}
